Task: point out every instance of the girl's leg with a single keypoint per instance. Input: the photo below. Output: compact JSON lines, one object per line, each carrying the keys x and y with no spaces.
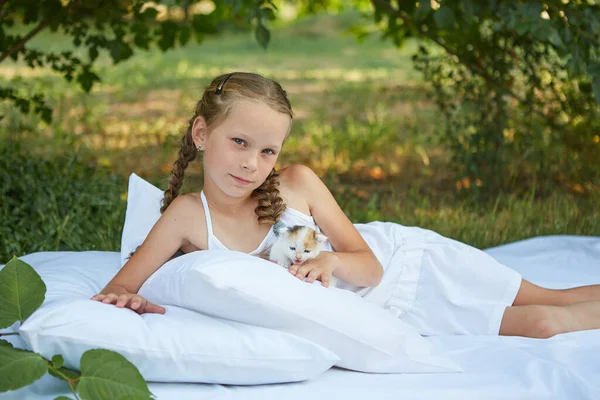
{"x":544,"y":321}
{"x":530,"y":294}
{"x":542,"y":313}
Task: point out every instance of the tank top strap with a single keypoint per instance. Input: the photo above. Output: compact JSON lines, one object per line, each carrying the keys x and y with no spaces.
{"x":210,"y":237}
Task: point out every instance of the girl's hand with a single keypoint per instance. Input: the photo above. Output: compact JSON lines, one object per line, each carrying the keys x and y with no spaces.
{"x":319,"y":268}
{"x":132,"y":301}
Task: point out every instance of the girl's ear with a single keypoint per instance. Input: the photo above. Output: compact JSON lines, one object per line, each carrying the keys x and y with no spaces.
{"x":320,"y":237}
{"x":199,"y":131}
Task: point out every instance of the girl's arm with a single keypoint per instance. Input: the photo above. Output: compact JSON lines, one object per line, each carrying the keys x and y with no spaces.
{"x":354,"y":261}
{"x":169,"y":234}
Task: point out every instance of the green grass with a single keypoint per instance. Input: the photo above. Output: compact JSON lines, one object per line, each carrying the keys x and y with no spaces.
{"x":363,"y":122}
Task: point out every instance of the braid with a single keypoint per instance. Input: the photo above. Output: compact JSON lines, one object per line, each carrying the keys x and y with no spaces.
{"x":270,"y":204}
{"x":187,"y":153}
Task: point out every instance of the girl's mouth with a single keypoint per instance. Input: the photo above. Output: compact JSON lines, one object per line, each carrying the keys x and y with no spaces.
{"x":241,"y":181}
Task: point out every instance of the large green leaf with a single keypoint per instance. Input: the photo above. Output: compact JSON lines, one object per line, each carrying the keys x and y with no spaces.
{"x":444,"y":17}
{"x":21,"y":292}
{"x":108,"y":375}
{"x":18,"y":367}
{"x":58,"y":371}
{"x":262,"y":35}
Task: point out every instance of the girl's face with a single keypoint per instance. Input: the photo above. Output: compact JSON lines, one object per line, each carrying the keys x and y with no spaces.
{"x":240,"y":153}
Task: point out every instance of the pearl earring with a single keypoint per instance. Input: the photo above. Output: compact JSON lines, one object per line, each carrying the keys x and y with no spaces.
{"x":200,"y":147}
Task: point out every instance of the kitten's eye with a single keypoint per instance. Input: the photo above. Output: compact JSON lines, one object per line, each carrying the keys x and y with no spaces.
{"x":239,"y":141}
{"x":292,"y":248}
{"x":307,"y":251}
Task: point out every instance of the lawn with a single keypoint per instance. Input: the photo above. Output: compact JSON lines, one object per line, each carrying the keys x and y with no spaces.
{"x":364,"y":122}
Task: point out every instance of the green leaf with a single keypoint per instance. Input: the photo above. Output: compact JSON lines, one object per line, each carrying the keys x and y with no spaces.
{"x":184,"y":35}
{"x":108,"y":375}
{"x":132,"y":397}
{"x":268,"y":13}
{"x":119,"y":50}
{"x":63,"y":373}
{"x":468,"y":10}
{"x":57,"y":361}
{"x":576,"y":65}
{"x":596,"y":89}
{"x":19,"y":368}
{"x":262,"y":35}
{"x":203,"y":24}
{"x":594,"y":69}
{"x":150,"y":13}
{"x":93,"y":52}
{"x":444,"y":17}
{"x":168,"y":35}
{"x":86,"y":79}
{"x":21,"y":292}
{"x":63,"y":398}
{"x":423,"y":11}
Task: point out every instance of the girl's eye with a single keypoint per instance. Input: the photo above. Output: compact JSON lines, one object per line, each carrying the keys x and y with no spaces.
{"x":307,"y":251}
{"x":292,"y":248}
{"x":268,"y":151}
{"x":239,"y":141}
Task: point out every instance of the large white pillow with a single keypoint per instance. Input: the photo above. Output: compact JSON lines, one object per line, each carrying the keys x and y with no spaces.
{"x":251,"y":290}
{"x":178,"y":346}
{"x":143,"y":210}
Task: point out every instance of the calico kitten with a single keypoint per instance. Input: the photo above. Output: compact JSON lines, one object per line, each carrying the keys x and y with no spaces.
{"x":295,"y":245}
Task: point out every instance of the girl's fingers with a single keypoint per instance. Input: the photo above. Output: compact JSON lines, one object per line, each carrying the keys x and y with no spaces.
{"x":137,"y":303}
{"x":109,"y":298}
{"x":133,"y":301}
{"x":302,"y":272}
{"x":153,"y":308}
{"x":313,"y":276}
{"x":122,"y":300}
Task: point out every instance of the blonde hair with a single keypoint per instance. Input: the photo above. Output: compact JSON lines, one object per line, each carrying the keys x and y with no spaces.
{"x":216,"y":103}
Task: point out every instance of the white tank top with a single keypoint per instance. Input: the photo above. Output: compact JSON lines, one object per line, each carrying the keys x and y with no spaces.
{"x":290,"y":217}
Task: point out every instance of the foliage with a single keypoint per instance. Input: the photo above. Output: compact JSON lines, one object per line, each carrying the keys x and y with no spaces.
{"x":118,"y":27}
{"x":512,"y":79}
{"x":62,"y":202}
{"x":105,"y":375}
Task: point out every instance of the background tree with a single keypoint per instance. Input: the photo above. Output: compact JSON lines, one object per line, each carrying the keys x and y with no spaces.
{"x":517,"y":81}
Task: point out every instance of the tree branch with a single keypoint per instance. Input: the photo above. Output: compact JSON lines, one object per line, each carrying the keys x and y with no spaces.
{"x":2,"y":12}
{"x":22,"y":42}
{"x":475,"y":69}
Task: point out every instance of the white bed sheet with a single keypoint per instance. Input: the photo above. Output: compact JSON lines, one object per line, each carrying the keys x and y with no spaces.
{"x":563,"y":367}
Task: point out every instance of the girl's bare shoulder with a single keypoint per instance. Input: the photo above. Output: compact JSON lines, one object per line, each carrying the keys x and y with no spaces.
{"x":293,"y":181}
{"x":190,"y":209}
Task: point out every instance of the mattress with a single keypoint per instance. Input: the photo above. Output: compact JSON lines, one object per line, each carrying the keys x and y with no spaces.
{"x":565,"y":366}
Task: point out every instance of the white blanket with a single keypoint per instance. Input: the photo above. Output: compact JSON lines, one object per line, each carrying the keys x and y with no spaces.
{"x":564,"y":367}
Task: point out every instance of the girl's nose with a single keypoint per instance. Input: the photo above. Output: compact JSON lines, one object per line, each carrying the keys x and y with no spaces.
{"x":249,"y":164}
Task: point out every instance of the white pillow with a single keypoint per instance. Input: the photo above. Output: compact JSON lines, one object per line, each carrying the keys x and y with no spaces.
{"x":240,"y":287}
{"x":143,"y":210}
{"x":178,"y":346}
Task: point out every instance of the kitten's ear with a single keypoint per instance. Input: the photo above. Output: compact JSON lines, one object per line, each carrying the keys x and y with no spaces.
{"x":280,"y":228}
{"x":320,"y":237}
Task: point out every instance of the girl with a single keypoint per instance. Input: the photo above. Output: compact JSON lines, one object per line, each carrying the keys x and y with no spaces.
{"x":439,"y":286}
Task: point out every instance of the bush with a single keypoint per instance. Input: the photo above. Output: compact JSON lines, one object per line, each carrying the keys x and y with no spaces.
{"x":61,"y":202}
